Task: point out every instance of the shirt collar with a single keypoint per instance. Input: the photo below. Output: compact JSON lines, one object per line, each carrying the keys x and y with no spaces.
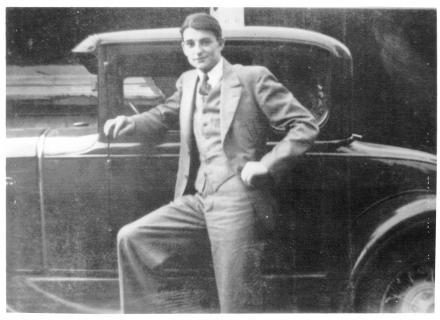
{"x":215,"y":74}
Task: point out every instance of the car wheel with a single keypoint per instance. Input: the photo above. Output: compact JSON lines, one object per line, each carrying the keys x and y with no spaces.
{"x":401,"y":280}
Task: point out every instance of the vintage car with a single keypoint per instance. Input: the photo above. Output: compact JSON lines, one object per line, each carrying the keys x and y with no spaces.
{"x":356,"y":228}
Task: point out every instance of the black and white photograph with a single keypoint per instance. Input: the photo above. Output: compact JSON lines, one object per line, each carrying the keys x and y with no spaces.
{"x":220,"y":160}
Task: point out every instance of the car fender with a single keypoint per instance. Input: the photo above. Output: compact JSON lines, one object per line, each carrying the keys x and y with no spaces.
{"x":389,"y":219}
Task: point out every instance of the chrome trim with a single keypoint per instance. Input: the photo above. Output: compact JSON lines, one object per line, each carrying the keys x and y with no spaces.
{"x":114,"y":156}
{"x":313,"y":153}
{"x":71,"y":279}
{"x":296,"y":276}
{"x":40,"y":157}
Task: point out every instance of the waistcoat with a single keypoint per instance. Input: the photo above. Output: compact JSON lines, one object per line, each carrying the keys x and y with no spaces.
{"x":214,"y":167}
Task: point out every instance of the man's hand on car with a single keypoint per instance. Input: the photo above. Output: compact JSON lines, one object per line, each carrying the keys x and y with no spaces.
{"x":119,"y":126}
{"x":253,"y":173}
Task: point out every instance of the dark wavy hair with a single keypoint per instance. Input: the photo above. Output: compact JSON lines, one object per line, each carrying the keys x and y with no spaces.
{"x":202,"y":21}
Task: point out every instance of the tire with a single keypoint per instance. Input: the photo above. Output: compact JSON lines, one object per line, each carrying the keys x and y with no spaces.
{"x":400,"y":279}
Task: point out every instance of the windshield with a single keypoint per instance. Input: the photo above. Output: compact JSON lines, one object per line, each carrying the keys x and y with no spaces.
{"x":150,"y":73}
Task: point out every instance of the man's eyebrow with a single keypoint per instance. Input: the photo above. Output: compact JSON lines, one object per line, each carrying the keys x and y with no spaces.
{"x":199,"y":40}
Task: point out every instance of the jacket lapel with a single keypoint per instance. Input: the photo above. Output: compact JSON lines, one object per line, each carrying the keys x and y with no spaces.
{"x":229,"y":98}
{"x":187,"y":107}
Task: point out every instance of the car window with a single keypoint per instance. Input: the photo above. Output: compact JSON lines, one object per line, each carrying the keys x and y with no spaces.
{"x":141,"y":92}
{"x":144,"y":93}
{"x":150,"y":73}
{"x":304,"y":70}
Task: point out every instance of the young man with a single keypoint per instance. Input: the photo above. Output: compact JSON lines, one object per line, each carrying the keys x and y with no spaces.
{"x":225,"y":113}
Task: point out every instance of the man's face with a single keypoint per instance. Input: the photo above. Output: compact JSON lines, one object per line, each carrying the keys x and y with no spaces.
{"x":202,"y":48}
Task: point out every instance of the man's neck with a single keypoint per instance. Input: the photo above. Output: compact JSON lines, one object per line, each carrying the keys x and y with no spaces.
{"x":215,"y":74}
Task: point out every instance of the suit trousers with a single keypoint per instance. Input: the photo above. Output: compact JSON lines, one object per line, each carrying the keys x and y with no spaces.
{"x":226,"y":218}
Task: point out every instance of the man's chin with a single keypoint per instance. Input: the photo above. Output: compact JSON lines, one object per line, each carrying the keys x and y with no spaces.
{"x":201,"y":66}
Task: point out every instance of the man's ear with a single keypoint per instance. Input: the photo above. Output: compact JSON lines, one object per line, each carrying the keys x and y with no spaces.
{"x":222,"y":42}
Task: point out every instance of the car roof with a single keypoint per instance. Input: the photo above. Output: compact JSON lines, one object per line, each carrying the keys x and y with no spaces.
{"x":255,"y":33}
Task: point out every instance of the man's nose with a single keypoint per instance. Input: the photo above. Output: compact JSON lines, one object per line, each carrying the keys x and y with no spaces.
{"x":198,"y":48}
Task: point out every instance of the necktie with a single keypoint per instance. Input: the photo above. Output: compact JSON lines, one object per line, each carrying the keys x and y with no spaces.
{"x":204,"y":85}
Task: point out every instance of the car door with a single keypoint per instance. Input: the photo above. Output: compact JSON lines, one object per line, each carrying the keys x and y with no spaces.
{"x":141,"y":177}
{"x":64,"y":255}
{"x":75,"y":201}
{"x":142,"y":170}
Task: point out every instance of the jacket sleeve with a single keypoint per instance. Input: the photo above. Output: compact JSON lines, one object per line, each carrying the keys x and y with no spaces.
{"x":285,"y":114}
{"x":160,"y":118}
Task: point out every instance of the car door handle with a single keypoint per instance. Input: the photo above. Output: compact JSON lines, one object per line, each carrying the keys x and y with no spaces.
{"x":81,"y":124}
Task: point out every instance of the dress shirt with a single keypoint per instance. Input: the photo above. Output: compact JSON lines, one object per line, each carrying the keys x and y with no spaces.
{"x":214,"y":75}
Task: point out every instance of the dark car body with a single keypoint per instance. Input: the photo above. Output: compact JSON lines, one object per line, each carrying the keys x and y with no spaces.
{"x":350,"y":211}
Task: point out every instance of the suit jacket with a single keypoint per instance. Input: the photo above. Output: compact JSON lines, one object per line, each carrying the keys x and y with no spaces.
{"x":252,"y":101}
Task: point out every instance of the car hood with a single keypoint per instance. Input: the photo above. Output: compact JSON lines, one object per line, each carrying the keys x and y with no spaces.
{"x":381,"y":151}
{"x":22,"y":142}
{"x":51,"y":142}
